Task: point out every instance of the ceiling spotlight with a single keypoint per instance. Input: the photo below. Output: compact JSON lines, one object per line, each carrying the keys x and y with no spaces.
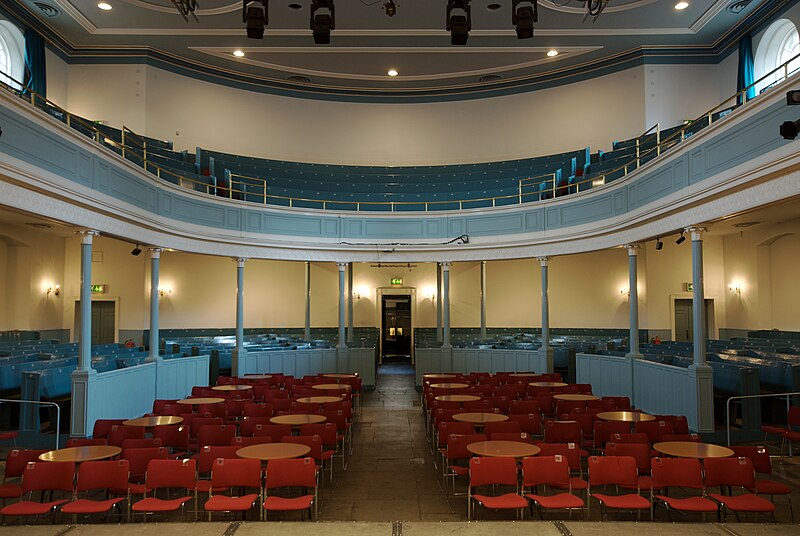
{"x":392,"y":72}
{"x":255,"y":14}
{"x":523,"y":17}
{"x":136,"y":251}
{"x":323,"y":20}
{"x":186,"y":8}
{"x":681,"y":5}
{"x":552,"y":53}
{"x":390,"y":7}
{"x":238,"y":53}
{"x":105,"y":6}
{"x":681,"y":239}
{"x":659,"y":244}
{"x":459,"y":23}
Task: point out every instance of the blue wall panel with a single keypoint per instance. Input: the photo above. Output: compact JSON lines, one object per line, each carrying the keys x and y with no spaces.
{"x":587,"y":211}
{"x":488,"y":225}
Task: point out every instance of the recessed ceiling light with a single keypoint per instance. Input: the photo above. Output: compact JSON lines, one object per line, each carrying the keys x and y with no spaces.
{"x":238,"y":53}
{"x":681,"y":5}
{"x":105,"y":6}
{"x":493,"y":7}
{"x":392,"y":72}
{"x":296,"y":7}
{"x":552,"y":53}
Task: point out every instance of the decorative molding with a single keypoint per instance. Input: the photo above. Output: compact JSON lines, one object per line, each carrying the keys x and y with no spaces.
{"x":235,"y":6}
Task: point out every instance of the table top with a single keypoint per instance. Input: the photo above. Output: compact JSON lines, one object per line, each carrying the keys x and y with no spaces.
{"x":522,"y":374}
{"x":80,"y":454}
{"x":331,"y":386}
{"x":273,"y":451}
{"x":690,"y":449}
{"x":340,"y":375}
{"x":235,"y":387}
{"x":548,"y":384}
{"x":506,"y":449}
{"x":457,"y":398}
{"x":156,"y":420}
{"x":576,"y":397}
{"x":625,"y":416}
{"x":437,"y":376}
{"x":480,"y":417}
{"x":257,"y":376}
{"x":449,"y":385}
{"x":319,"y":399}
{"x":198,"y":401}
{"x":297,"y":419}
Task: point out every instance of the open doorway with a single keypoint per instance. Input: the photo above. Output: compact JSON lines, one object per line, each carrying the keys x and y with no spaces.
{"x":104,"y":321}
{"x":683,"y":319}
{"x":396,"y":329}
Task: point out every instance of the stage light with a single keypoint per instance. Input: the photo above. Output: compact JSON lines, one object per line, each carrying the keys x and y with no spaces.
{"x":255,"y":14}
{"x":136,"y":251}
{"x":459,"y":23}
{"x":659,"y":244}
{"x":789,"y":129}
{"x":681,"y":239}
{"x":523,"y":17}
{"x":238,"y":53}
{"x":390,"y":7}
{"x":323,"y":20}
{"x":552,"y":53}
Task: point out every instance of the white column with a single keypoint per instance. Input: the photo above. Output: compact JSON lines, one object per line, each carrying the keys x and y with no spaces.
{"x":83,"y":406}
{"x":239,"y":353}
{"x":701,"y":375}
{"x":546,"y":351}
{"x":445,"y":305}
{"x":633,"y":299}
{"x":307,"y":293}
{"x":350,"y":302}
{"x":155,"y":256}
{"x":483,"y":300}
{"x":438,"y":302}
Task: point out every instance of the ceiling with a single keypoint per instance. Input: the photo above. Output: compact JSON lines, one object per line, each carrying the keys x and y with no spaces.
{"x":367,"y":43}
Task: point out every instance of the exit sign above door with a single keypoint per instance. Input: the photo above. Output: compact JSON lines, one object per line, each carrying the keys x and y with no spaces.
{"x":396,"y":281}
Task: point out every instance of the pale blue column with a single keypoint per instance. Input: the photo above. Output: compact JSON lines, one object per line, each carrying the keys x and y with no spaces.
{"x":341,"y":342}
{"x":633,"y":300}
{"x":546,"y":351}
{"x":446,"y":305}
{"x":307,"y":330}
{"x":350,"y":302}
{"x":84,"y":407}
{"x":155,"y":256}
{"x":438,"y":302}
{"x":483,"y":300}
{"x":239,"y":353}
{"x":701,"y":375}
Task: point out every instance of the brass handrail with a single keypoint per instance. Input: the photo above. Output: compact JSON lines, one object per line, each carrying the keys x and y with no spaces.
{"x":130,"y":144}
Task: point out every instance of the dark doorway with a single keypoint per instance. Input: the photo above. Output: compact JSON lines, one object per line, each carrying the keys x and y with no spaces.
{"x":103,"y":321}
{"x":684,"y":319}
{"x":396,"y":329}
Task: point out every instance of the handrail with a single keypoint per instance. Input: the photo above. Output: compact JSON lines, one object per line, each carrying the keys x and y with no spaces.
{"x":41,"y":403}
{"x":139,"y":149}
{"x":742,"y":397}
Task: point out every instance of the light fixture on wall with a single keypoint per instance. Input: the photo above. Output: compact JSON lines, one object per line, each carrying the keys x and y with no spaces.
{"x":659,"y":244}
{"x":255,"y":15}
{"x":136,"y":251}
{"x":55,"y":289}
{"x":322,"y":21}
{"x":624,"y":291}
{"x":681,"y":239}
{"x":735,"y":287}
{"x":356,"y":295}
{"x":164,"y":291}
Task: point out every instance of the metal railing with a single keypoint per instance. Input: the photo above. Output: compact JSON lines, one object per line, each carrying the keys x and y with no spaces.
{"x":133,"y":150}
{"x":744,"y":397}
{"x":40,"y":403}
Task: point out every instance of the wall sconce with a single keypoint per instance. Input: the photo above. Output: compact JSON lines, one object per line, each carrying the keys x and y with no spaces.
{"x":735,"y":287}
{"x":624,"y":291}
{"x":55,"y":289}
{"x":162,"y":291}
{"x":356,"y":295}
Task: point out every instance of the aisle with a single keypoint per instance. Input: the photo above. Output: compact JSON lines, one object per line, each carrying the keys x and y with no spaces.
{"x":390,"y":475}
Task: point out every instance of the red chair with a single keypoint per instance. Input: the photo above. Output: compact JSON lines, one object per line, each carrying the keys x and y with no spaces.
{"x":603,"y":430}
{"x":530,"y":423}
{"x":445,"y":430}
{"x":168,"y":474}
{"x":176,"y":438}
{"x":102,"y":427}
{"x":84,"y":442}
{"x":120,"y":432}
{"x":685,"y":473}
{"x":639,"y":452}
{"x":16,"y":461}
{"x":111,"y":476}
{"x":247,"y":426}
{"x":139,"y":459}
{"x":607,"y":471}
{"x":316,"y":452}
{"x":762,"y":465}
{"x":291,"y":473}
{"x":622,"y":403}
{"x":213,"y":410}
{"x":630,"y":438}
{"x":140,"y":443}
{"x":526,"y":405}
{"x":501,"y":427}
{"x":735,"y":472}
{"x":572,"y":453}
{"x":159,"y":403}
{"x":511,"y":436}
{"x":483,"y":405}
{"x":218,"y":435}
{"x":788,"y":434}
{"x":553,"y":472}
{"x":680,"y":424}
{"x":240,"y":442}
{"x":655,"y":430}
{"x":457,"y":457}
{"x":330,"y":440}
{"x":251,"y":409}
{"x":567,"y":406}
{"x":274,"y":431}
{"x":493,"y":472}
{"x":42,"y":476}
{"x":694,"y":438}
{"x":234,"y":473}
{"x":205,"y":462}
{"x":562,"y":432}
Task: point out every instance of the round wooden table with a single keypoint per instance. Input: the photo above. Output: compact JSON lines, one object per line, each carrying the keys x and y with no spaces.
{"x":449,"y":385}
{"x":690,"y":449}
{"x":273,"y":451}
{"x":298,"y":419}
{"x":198,"y":401}
{"x":625,"y":416}
{"x":457,"y":398}
{"x":522,"y":375}
{"x":548,"y":384}
{"x":438,"y":376}
{"x":480,"y":417}
{"x":504,"y":449}
{"x":331,"y":386}
{"x":319,"y":399}
{"x":156,"y":420}
{"x":257,"y":376}
{"x":576,"y":397}
{"x":81,"y":454}
{"x":340,"y":376}
{"x":234,"y":387}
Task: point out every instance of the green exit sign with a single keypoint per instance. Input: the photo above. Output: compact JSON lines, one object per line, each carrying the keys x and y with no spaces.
{"x":397,"y":281}
{"x":98,"y":289}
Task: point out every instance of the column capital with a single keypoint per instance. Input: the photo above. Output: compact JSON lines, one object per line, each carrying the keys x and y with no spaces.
{"x":342,"y":266}
{"x":87,"y":235}
{"x":445,"y":266}
{"x":240,"y":261}
{"x":543,"y":260}
{"x":155,"y":253}
{"x":633,"y":249}
{"x":696,"y":232}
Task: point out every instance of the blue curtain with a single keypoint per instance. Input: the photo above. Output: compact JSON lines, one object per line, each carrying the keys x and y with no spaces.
{"x":35,"y":72}
{"x":746,"y":69}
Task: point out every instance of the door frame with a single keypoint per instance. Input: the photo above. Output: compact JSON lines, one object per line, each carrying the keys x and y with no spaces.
{"x":380,"y":292}
{"x":710,"y":318}
{"x":73,"y":335}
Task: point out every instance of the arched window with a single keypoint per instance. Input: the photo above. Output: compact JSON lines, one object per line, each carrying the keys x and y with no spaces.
{"x":780,"y":44}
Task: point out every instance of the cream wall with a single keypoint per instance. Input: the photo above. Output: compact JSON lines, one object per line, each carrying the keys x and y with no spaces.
{"x":57,"y":79}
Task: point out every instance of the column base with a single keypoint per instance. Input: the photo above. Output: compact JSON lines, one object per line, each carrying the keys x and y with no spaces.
{"x":81,"y":421}
{"x":701,"y":398}
{"x":546,"y":360}
{"x":153,"y":359}
{"x":238,"y":356}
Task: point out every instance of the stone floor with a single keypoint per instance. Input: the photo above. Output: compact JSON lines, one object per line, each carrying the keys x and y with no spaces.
{"x":391,"y":487}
